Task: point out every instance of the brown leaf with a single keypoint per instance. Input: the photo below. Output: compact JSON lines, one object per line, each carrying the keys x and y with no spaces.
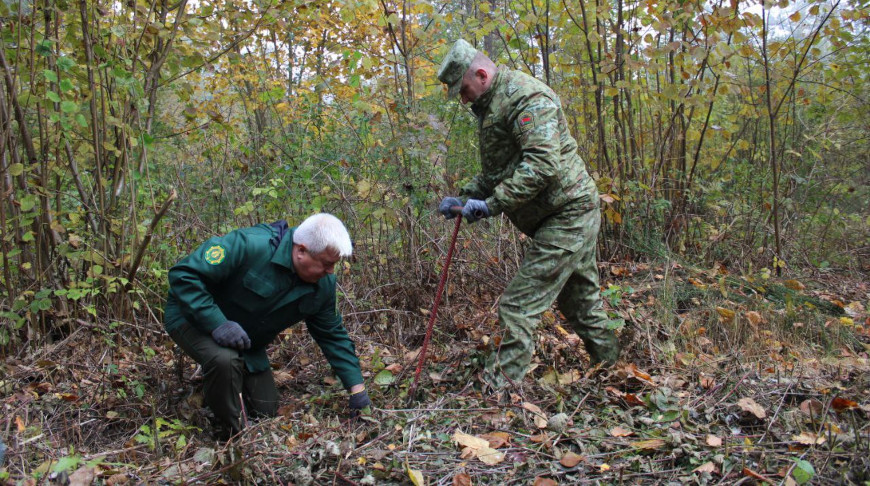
{"x":794,"y":285}
{"x":394,"y":368}
{"x":538,"y":415}
{"x":540,"y":481}
{"x":462,"y":479}
{"x":707,"y":382}
{"x":808,"y":438}
{"x":753,"y":474}
{"x":539,"y":438}
{"x":478,"y":447}
{"x":748,"y":405}
{"x":620,"y":432}
{"x":754,"y":318}
{"x":632,"y":371}
{"x":83,"y":476}
{"x":649,"y":445}
{"x":812,"y":407}
{"x":842,"y":404}
{"x":619,"y":271}
{"x":282,"y":377}
{"x":117,"y":479}
{"x":707,"y":467}
{"x":571,"y":459}
{"x":714,"y":441}
{"x":497,"y":439}
{"x":412,"y":356}
{"x":608,"y":198}
{"x":633,"y":399}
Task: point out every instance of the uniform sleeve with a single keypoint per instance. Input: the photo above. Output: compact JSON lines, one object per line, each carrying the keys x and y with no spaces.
{"x":474,"y":190}
{"x":328,"y":332}
{"x":190,"y":279}
{"x":535,"y":127}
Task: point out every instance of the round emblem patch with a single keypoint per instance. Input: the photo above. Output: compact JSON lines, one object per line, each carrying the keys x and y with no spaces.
{"x":215,"y":254}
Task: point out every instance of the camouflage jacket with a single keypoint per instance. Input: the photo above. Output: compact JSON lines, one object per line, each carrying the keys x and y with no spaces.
{"x":530,"y":169}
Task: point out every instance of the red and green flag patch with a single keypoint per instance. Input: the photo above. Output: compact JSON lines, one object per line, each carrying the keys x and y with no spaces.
{"x":526,"y":121}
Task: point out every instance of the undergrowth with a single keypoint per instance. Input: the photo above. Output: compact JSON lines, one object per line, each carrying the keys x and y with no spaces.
{"x":720,"y":382}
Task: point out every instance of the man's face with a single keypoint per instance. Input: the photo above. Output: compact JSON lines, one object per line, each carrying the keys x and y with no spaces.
{"x":312,"y":267}
{"x":474,"y":84}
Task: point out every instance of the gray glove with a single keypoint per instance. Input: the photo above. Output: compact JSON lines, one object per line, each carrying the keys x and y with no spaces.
{"x":231,"y":335}
{"x":358,"y":402}
{"x":475,"y":209}
{"x":446,"y":204}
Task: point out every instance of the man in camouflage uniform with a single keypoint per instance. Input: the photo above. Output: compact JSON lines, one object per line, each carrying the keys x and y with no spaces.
{"x":531,"y":172}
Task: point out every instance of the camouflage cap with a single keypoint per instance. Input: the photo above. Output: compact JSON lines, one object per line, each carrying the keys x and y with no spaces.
{"x":455,"y":64}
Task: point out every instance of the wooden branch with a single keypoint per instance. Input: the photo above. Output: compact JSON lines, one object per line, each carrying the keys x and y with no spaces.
{"x":147,"y":240}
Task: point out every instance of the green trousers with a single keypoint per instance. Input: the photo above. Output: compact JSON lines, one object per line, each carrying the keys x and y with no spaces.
{"x":551,"y":273}
{"x":227,"y":382}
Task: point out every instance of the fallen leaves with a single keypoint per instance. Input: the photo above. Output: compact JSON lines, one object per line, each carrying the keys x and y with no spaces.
{"x":754,"y":318}
{"x":631,"y":371}
{"x":714,"y":441}
{"x":538,"y":415}
{"x":841,"y":404}
{"x":414,"y":475}
{"x":571,"y":459}
{"x":540,"y":481}
{"x":726,"y":315}
{"x":553,"y":377}
{"x":462,"y":479}
{"x":749,"y":405}
{"x":477,"y":447}
{"x":497,"y":440}
{"x":812,"y":408}
{"x":808,"y":438}
{"x":649,"y":444}
{"x":83,"y":476}
{"x":620,"y":432}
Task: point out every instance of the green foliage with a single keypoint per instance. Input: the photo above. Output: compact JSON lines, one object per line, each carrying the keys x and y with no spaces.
{"x":172,"y":432}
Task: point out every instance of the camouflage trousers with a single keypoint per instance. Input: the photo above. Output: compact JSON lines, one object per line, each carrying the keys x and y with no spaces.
{"x":551,"y":273}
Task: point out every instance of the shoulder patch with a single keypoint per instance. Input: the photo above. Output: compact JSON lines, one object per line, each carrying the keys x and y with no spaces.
{"x":215,"y":254}
{"x":526,"y":121}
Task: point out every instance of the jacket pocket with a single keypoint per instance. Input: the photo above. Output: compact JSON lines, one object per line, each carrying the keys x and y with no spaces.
{"x":260,"y":285}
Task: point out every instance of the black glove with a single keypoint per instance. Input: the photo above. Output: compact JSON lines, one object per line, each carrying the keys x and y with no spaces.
{"x":475,"y":209}
{"x":231,"y":335}
{"x":446,"y":204}
{"x":358,"y":402}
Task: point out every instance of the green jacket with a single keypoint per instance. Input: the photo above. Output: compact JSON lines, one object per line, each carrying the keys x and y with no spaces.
{"x":248,"y":277}
{"x":530,"y":169}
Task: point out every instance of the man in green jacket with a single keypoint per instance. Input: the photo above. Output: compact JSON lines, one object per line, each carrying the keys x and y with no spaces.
{"x":531,"y":172}
{"x":235,"y":293}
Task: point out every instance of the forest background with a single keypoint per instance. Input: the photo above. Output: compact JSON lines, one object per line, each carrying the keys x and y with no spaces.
{"x":729,"y":140}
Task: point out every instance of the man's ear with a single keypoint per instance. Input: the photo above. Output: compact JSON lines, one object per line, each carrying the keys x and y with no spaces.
{"x":482,"y":74}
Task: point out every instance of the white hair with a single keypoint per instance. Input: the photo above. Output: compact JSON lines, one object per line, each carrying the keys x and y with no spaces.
{"x":323,"y":231}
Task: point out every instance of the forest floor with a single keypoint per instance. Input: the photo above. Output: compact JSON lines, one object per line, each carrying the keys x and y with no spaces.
{"x":725,"y":379}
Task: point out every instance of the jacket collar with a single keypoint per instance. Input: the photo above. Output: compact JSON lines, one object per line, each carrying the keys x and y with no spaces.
{"x":284,"y":253}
